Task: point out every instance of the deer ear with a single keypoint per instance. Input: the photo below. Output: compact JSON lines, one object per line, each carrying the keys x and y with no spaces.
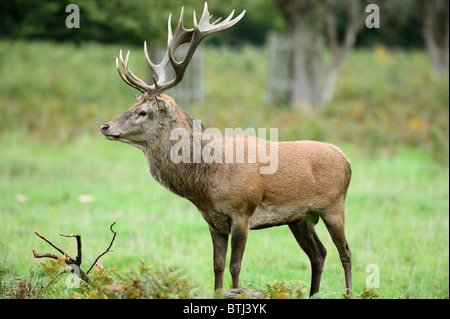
{"x":160,"y":104}
{"x":137,"y":97}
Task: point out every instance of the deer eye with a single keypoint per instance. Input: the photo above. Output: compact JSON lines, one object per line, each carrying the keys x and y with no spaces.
{"x":142,"y":113}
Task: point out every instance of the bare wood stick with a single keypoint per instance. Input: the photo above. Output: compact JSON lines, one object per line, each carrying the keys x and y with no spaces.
{"x":79,"y":253}
{"x":69,"y":259}
{"x":44,"y":255}
{"x":75,"y":264}
{"x":50,"y":243}
{"x":108,"y":249}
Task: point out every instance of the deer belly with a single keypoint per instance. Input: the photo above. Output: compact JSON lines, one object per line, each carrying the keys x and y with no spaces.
{"x":267,"y":215}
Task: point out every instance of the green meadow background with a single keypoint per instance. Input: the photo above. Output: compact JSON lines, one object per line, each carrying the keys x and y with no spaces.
{"x":58,"y":174}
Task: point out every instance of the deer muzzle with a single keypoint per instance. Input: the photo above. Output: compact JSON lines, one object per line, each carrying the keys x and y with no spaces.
{"x":107,"y":133}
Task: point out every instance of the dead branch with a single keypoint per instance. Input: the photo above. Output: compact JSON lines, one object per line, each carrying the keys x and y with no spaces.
{"x":74,"y":264}
{"x":108,"y":249}
{"x":54,"y":246}
{"x":43,"y":255}
{"x":78,"y":238}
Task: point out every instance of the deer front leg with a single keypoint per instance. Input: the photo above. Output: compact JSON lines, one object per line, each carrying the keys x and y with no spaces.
{"x":220,"y":243}
{"x":239,"y":233}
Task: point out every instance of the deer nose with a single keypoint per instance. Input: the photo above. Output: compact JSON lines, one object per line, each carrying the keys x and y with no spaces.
{"x":104,"y":128}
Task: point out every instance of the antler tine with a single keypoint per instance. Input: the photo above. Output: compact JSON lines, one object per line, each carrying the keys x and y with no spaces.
{"x":158,"y":69}
{"x":201,"y":29}
{"x":207,"y":28}
{"x":130,"y":75}
{"x":205,"y":11}
{"x":124,"y":77}
{"x":217,"y":21}
{"x":227,"y":23}
{"x":229,"y":17}
{"x":131,"y":78}
{"x":174,"y":40}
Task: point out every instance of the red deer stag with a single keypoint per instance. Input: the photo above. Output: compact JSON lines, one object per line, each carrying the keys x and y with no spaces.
{"x":310,"y":180}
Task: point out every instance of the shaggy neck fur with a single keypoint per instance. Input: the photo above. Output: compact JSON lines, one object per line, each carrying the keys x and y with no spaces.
{"x":189,"y":180}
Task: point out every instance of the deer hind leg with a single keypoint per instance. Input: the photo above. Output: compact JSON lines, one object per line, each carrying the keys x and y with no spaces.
{"x":334,"y":221}
{"x":308,"y":240}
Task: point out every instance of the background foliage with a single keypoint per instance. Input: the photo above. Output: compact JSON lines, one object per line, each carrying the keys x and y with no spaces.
{"x":57,"y":173}
{"x":382,"y":103}
{"x":133,"y":21}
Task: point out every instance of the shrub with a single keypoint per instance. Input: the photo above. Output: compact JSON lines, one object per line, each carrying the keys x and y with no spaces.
{"x":285,"y":290}
{"x":145,"y":283}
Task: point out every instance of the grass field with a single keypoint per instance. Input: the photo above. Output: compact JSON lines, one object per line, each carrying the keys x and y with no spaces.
{"x":58,"y":174}
{"x":397,"y":218}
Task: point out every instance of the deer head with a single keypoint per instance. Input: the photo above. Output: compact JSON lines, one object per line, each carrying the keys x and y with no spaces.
{"x":154,"y":112}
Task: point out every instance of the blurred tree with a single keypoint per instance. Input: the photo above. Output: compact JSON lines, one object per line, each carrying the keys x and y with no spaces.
{"x":261,"y":17}
{"x":21,"y":18}
{"x":435,"y":15}
{"x":103,"y":21}
{"x":310,"y":24}
{"x":400,"y":26}
{"x":414,"y":24}
{"x":130,"y":21}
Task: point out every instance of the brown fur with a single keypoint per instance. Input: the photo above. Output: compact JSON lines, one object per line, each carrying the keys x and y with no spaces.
{"x":311,"y":181}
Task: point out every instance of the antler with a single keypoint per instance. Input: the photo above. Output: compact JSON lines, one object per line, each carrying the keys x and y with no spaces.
{"x":180,"y":36}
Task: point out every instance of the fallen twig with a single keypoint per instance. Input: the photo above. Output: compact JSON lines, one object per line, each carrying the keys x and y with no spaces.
{"x":74,"y":264}
{"x":78,"y":238}
{"x":108,"y":249}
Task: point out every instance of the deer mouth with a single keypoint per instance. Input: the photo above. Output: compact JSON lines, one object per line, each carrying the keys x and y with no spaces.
{"x":112,"y":137}
{"x":109,"y":134}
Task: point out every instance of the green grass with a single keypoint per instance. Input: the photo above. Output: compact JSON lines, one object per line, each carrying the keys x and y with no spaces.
{"x":389,"y":116}
{"x":397,"y":218}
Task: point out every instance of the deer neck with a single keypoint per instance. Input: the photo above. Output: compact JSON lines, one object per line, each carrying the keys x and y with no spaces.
{"x":185,"y":178}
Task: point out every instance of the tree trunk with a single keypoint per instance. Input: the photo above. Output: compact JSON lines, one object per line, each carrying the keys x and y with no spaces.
{"x":340,"y":50}
{"x":313,"y":81}
{"x":436,"y":33}
{"x":329,"y":84}
{"x":301,"y":93}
